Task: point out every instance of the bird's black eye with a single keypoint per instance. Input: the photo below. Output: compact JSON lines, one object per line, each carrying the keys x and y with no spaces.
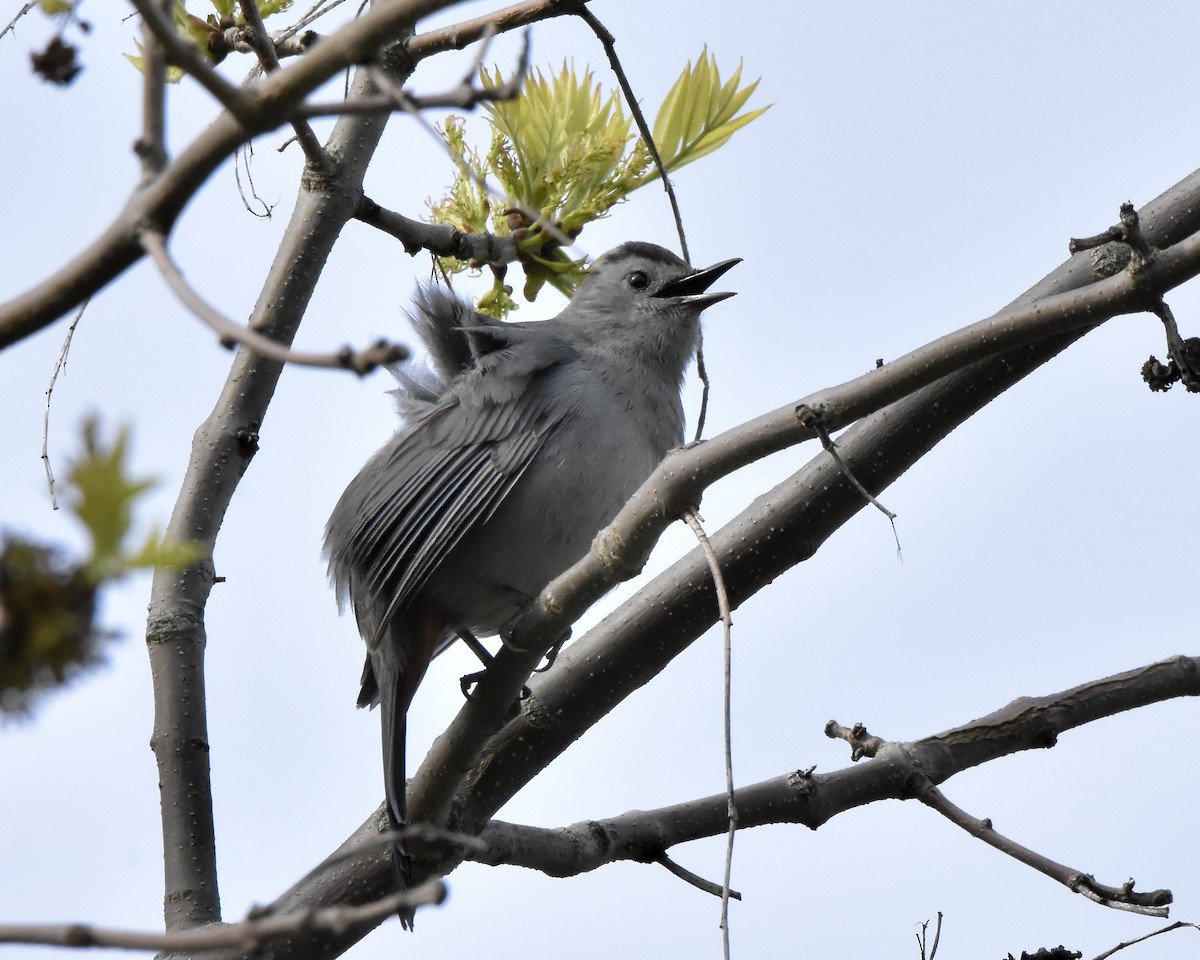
{"x":638,"y":280}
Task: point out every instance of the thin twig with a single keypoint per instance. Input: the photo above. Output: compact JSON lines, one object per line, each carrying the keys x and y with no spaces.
{"x":608,"y":41}
{"x":923,"y":936}
{"x":313,"y":13}
{"x":381,"y":353}
{"x":686,"y":875}
{"x":1127,"y":231}
{"x":464,"y":96}
{"x":1152,"y":903}
{"x":1178,"y":925}
{"x":242,"y":158}
{"x":813,"y":419}
{"x":246,"y":935}
{"x":714,"y":567}
{"x":60,"y":366}
{"x":264,"y":47}
{"x":862,"y":742}
{"x":151,"y":147}
{"x":11,"y":27}
{"x":702,"y":373}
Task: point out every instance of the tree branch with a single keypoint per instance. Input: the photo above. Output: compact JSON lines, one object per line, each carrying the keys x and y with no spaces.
{"x":256,"y":35}
{"x":803,"y":797}
{"x":151,"y":146}
{"x":266,"y":106}
{"x":460,"y":35}
{"x":1151,"y":903}
{"x":945,"y":389}
{"x":627,"y":649}
{"x":185,"y":56}
{"x":221,"y":451}
{"x":440,"y":239}
{"x":381,"y":353}
{"x":634,"y":643}
{"x":247,"y":936}
{"x":798,"y":797}
{"x":11,"y":26}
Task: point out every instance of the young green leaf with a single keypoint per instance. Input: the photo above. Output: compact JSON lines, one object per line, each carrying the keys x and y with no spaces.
{"x":563,"y":154}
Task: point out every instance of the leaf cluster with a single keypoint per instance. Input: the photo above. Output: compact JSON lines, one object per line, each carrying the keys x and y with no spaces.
{"x":47,"y":601}
{"x":563,"y":153}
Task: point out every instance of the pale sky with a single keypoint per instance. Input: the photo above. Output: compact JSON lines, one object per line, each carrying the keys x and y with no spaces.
{"x":921,"y":166}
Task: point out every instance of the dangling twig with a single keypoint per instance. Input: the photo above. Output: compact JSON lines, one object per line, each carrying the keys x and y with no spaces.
{"x":609,"y":42}
{"x":693,"y":520}
{"x":59,"y":365}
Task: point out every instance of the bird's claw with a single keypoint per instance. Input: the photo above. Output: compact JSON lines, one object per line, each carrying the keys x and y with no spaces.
{"x":467,"y":681}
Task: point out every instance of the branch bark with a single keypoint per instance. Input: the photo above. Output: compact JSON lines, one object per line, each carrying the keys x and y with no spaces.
{"x":221,"y":452}
{"x":782,"y":528}
{"x":779,"y":530}
{"x":268,"y":105}
{"x":897,"y":772}
{"x":226,"y":441}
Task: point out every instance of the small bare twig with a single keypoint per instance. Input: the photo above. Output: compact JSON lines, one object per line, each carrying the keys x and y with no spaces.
{"x":11,"y":26}
{"x":60,"y":366}
{"x":151,"y":147}
{"x":264,"y":48}
{"x":812,"y":418}
{"x":923,"y":936}
{"x":312,"y":14}
{"x":716,"y":889}
{"x":1178,"y":925}
{"x":1128,"y":230}
{"x":1113,"y":233}
{"x":464,"y":96}
{"x":246,"y":935}
{"x":440,"y":239}
{"x":243,"y":38}
{"x":609,"y":42}
{"x":702,"y":373}
{"x":862,"y":742}
{"x":714,"y":567}
{"x":243,"y":158}
{"x":1151,"y":903}
{"x":380,"y":353}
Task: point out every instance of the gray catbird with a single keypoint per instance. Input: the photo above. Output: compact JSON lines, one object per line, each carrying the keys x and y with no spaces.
{"x":520,"y":443}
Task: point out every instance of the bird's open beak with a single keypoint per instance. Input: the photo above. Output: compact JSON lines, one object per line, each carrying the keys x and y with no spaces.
{"x":692,"y":289}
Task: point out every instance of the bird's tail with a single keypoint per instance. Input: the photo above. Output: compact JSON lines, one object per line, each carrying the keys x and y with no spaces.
{"x":393,"y":706}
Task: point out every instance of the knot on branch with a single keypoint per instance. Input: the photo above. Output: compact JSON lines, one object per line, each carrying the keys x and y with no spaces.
{"x":862,"y":743}
{"x":1128,"y":231}
{"x":612,"y":552}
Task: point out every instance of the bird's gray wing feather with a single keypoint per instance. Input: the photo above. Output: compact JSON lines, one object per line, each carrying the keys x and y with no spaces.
{"x":440,"y":477}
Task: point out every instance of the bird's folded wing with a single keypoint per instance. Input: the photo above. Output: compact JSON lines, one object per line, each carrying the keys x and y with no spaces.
{"x":435,"y":481}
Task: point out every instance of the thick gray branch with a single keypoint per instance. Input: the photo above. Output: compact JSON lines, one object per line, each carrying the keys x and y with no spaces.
{"x":896,"y":772}
{"x":637,"y":640}
{"x":782,"y":528}
{"x":221,"y":451}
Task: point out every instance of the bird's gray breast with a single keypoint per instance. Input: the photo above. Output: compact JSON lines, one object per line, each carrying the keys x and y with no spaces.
{"x":611,"y":430}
